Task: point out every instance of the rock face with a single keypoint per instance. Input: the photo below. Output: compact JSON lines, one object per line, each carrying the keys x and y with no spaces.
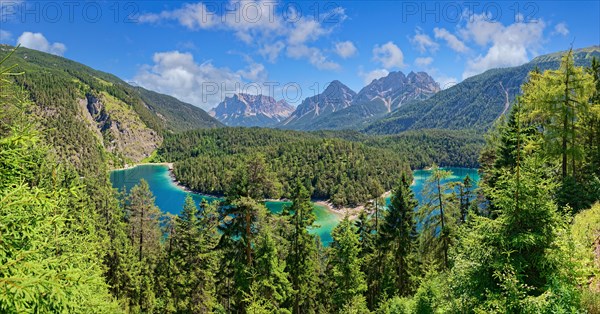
{"x":335,"y":97}
{"x":251,"y":110}
{"x":355,"y":111}
{"x":392,"y":91}
{"x":118,"y":129}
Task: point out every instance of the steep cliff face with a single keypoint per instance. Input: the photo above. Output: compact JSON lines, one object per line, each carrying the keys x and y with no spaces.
{"x":119,"y":130}
{"x":251,"y":110}
{"x":335,"y":97}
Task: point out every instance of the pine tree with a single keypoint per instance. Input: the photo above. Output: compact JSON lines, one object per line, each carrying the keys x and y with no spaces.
{"x":465,"y":197}
{"x":194,"y":257}
{"x":51,"y":252}
{"x":435,"y":217}
{"x":347,"y":276}
{"x":301,"y":263}
{"x":145,"y":234}
{"x":269,"y":274}
{"x":398,"y":236}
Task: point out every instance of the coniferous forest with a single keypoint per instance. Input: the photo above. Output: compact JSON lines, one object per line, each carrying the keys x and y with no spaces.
{"x":525,"y":241}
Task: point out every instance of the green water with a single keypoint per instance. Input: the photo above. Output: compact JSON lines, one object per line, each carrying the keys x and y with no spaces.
{"x":170,"y":197}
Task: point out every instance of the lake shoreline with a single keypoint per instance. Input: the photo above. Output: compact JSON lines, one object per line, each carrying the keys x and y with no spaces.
{"x":339,"y":212}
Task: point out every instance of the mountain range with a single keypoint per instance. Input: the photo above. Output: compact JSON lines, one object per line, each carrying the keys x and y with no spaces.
{"x":337,"y":107}
{"x":476,"y":102}
{"x":398,"y":102}
{"x":251,"y":110}
{"x":95,"y":117}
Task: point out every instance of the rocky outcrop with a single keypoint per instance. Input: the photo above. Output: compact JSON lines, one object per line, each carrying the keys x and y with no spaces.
{"x":120,"y":131}
{"x":251,"y":110}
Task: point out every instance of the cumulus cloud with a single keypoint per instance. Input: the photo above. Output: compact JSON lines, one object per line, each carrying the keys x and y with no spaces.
{"x":561,"y":28}
{"x":201,"y":84}
{"x":509,"y":45}
{"x":368,"y":77}
{"x":345,"y":49}
{"x":314,"y":55}
{"x":258,"y":24}
{"x":423,"y":61}
{"x":423,"y":42}
{"x":453,"y":42}
{"x":37,"y":41}
{"x":271,"y":51}
{"x":193,"y":16}
{"x":389,"y":55}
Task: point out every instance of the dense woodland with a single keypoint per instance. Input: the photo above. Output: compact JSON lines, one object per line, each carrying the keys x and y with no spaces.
{"x":347,"y":168}
{"x":525,"y":242}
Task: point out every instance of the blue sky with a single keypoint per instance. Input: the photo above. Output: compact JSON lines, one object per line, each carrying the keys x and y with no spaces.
{"x":201,"y":52}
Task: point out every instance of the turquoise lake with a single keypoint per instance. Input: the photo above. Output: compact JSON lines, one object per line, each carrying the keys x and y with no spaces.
{"x":170,"y":197}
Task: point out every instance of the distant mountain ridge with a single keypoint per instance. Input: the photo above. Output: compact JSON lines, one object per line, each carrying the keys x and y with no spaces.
{"x":474,"y":103}
{"x":251,"y":110}
{"x":338,"y":107}
{"x":335,"y":97}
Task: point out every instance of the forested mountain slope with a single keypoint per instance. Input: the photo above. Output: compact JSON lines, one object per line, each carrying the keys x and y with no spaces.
{"x":92,"y":117}
{"x":474,"y":103}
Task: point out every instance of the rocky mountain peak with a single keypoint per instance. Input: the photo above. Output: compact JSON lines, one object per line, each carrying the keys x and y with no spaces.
{"x":251,"y":110}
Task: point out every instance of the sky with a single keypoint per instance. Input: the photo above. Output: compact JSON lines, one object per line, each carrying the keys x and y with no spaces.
{"x":203,"y":51}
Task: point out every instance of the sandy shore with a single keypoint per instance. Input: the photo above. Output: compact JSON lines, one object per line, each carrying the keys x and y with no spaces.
{"x":168,"y":164}
{"x":352,"y":212}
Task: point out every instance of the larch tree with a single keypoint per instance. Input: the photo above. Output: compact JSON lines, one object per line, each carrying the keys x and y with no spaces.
{"x":436,"y":217}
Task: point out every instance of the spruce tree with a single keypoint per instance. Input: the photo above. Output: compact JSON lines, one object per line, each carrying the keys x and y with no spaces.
{"x":301,"y":260}
{"x":347,"y":276}
{"x":398,"y":236}
{"x":145,"y":236}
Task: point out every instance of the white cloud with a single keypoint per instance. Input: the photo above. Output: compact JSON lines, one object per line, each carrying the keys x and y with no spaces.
{"x":423,"y":61}
{"x":561,"y":28}
{"x":345,"y":49}
{"x":423,"y":42}
{"x":271,"y":51}
{"x":453,"y":42}
{"x":481,"y":29}
{"x":37,"y":41}
{"x":510,"y":45}
{"x":314,"y":55}
{"x":258,"y":24}
{"x":389,"y":55}
{"x":5,"y":36}
{"x":368,"y":77}
{"x":306,"y":30}
{"x":201,"y":84}
{"x":446,"y":81}
{"x":192,"y":16}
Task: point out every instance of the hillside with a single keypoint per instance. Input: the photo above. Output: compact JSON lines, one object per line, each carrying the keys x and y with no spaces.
{"x":335,"y":97}
{"x":474,"y":103}
{"x":92,"y":117}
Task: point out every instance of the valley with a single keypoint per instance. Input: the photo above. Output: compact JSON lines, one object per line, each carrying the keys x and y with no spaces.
{"x":447,"y":166}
